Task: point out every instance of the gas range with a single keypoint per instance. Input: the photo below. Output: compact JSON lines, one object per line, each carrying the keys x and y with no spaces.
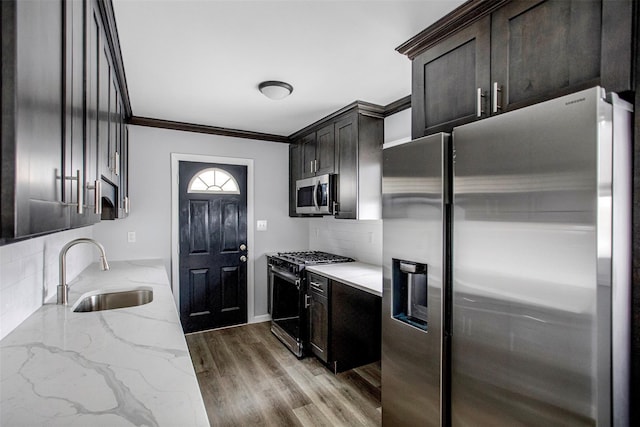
{"x":312,"y":257}
{"x":288,"y":298}
{"x":295,"y":262}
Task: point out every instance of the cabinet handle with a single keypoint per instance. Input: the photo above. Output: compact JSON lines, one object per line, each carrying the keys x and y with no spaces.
{"x":306,"y":301}
{"x":97,"y":196}
{"x":80,"y":193}
{"x":315,"y":165}
{"x":126,"y":204}
{"x":311,"y":166}
{"x":480,"y":102}
{"x":116,"y":158}
{"x":497,"y":92}
{"x":317,"y":287}
{"x":335,"y":207}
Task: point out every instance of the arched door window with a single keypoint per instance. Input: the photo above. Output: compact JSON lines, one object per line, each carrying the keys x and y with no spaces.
{"x":213,"y":180}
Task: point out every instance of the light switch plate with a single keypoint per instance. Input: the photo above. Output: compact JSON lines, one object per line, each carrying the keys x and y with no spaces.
{"x":131,"y":236}
{"x":261,"y":225}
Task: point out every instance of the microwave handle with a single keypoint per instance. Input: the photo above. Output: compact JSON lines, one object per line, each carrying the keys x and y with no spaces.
{"x":315,"y":195}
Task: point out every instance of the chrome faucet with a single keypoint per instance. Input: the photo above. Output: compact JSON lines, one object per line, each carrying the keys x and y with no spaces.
{"x":63,"y":288}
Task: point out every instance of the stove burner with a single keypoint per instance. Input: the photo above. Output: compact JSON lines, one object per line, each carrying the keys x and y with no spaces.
{"x":313,"y":257}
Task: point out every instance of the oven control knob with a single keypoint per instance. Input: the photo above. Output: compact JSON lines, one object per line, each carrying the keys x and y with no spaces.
{"x":243,"y":258}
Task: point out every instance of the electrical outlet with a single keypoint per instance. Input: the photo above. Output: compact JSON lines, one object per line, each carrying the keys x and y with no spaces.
{"x":131,"y":236}
{"x":261,"y":225}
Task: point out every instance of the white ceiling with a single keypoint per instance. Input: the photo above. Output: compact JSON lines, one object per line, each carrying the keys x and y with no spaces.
{"x":201,"y":61}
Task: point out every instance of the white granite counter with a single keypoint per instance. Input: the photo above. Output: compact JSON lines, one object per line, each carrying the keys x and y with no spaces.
{"x":366,"y":277}
{"x":123,"y":367}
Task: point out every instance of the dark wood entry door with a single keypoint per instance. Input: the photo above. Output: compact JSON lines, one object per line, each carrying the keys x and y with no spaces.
{"x":213,"y":245}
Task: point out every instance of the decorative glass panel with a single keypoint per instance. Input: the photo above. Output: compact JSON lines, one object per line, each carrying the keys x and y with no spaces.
{"x":213,"y":180}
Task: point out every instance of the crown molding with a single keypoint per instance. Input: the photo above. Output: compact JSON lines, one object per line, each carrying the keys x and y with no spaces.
{"x":460,"y":17}
{"x":211,"y":130}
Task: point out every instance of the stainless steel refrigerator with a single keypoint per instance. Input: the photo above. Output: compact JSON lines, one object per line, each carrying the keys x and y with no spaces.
{"x":526,"y":315}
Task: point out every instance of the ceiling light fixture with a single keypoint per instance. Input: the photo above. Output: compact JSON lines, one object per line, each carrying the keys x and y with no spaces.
{"x":275,"y":90}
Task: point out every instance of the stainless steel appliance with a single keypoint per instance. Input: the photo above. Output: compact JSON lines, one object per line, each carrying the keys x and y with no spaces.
{"x":315,"y":195}
{"x":288,"y":298}
{"x":535,"y":272}
{"x":413,"y":210}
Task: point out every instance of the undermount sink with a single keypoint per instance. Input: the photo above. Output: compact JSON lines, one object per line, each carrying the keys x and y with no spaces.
{"x":109,"y":300}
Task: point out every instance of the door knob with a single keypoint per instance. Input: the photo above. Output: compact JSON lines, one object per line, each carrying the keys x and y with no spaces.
{"x":243,"y":258}
{"x":243,"y":247}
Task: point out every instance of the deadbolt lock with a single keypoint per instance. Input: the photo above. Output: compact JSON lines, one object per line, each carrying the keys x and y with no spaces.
{"x":243,"y":258}
{"x":243,"y":247}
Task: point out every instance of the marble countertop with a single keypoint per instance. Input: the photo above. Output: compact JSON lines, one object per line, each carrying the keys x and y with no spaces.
{"x":121,"y":367}
{"x":366,"y":277}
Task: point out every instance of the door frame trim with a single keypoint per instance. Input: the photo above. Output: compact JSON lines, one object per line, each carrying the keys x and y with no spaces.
{"x":176,"y":158}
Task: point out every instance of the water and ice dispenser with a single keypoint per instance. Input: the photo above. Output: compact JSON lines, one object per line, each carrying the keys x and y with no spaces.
{"x":409,"y":293}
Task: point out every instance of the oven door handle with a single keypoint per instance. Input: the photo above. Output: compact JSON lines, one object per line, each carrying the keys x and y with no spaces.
{"x":285,"y":274}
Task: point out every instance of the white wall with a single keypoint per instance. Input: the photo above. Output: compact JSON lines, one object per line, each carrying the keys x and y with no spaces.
{"x":150,"y":192}
{"x":29,"y":273}
{"x":397,"y":128}
{"x":361,"y":240}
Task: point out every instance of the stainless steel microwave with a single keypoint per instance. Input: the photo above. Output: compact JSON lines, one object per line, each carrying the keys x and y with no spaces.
{"x":315,"y":195}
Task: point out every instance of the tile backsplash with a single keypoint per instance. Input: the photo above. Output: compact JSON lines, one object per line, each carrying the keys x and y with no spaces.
{"x":361,"y":240}
{"x":29,"y":273}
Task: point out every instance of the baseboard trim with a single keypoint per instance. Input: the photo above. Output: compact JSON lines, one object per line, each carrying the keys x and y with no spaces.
{"x":261,"y":318}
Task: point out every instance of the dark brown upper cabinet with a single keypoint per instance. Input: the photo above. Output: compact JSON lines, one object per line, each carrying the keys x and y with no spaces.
{"x":543,"y":49}
{"x":79,"y":165}
{"x":125,"y":205}
{"x":295,"y":173}
{"x":106,"y":183}
{"x":318,"y":152}
{"x":359,"y":139}
{"x":492,"y":56}
{"x":32,"y":173}
{"x":308,"y":155}
{"x":447,"y":79}
{"x":92,"y":59}
{"x":349,"y":144}
{"x":57,"y":108}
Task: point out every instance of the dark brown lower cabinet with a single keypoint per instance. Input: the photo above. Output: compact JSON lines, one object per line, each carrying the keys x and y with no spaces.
{"x":344,"y":326}
{"x":319,"y":316}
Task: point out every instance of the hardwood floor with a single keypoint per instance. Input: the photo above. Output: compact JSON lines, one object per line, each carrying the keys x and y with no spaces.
{"x":247,"y":377}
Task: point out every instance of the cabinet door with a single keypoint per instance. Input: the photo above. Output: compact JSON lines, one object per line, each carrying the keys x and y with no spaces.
{"x":124,"y":173}
{"x":104,"y":88}
{"x":34,"y":116}
{"x":319,"y":325}
{"x":325,"y":150}
{"x":446,"y":79}
{"x":544,"y":49}
{"x":295,"y":173}
{"x":76,"y":169}
{"x":114,"y":132}
{"x":308,"y":155}
{"x":92,"y":158}
{"x":346,"y":134}
{"x":355,"y":327}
